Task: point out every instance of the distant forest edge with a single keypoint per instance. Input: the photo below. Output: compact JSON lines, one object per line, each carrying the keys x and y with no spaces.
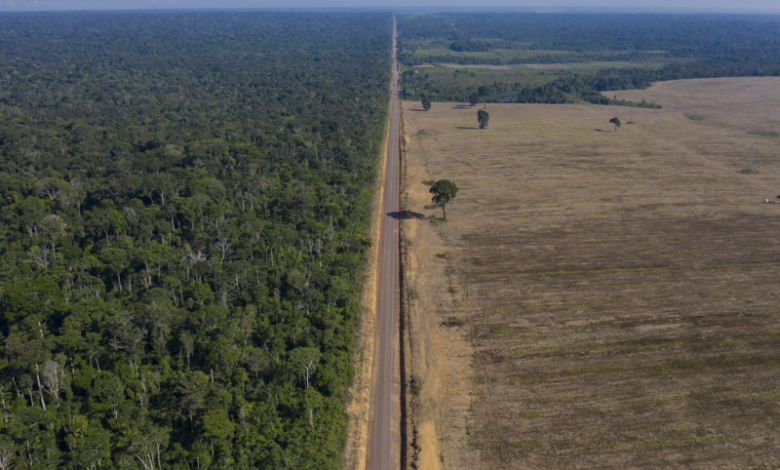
{"x":183,"y":203}
{"x":682,"y":47}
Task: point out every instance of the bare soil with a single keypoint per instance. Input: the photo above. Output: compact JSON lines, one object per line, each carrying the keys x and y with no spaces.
{"x":596,"y":299}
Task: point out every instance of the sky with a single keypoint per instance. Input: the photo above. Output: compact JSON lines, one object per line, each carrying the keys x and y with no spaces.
{"x":737,"y":6}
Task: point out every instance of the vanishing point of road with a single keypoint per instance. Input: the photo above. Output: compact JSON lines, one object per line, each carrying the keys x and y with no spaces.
{"x":381,"y":455}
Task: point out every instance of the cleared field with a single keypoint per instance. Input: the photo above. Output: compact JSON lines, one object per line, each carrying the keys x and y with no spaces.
{"x":548,"y":66}
{"x":740,"y":103}
{"x":596,"y":299}
{"x":499,"y":54}
{"x":488,"y":67}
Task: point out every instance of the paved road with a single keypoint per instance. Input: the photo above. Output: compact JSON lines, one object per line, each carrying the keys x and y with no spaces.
{"x":381,"y":455}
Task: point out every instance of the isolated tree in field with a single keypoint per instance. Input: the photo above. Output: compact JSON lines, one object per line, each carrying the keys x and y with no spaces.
{"x":443,"y":192}
{"x":426,"y":102}
{"x":474,"y":99}
{"x":483,"y":117}
{"x":616,"y":122}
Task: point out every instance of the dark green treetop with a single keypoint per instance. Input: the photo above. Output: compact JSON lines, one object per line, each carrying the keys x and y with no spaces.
{"x":443,"y":192}
{"x":483,"y":118}
{"x":616,"y":122}
{"x":426,"y":102}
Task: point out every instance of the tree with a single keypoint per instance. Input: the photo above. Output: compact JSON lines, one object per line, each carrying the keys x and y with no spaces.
{"x":51,"y":187}
{"x":6,"y":455}
{"x":426,"y":102}
{"x":53,"y":378}
{"x":443,"y":192}
{"x":473,"y":99}
{"x":216,"y":424}
{"x":304,"y":361}
{"x":483,"y":117}
{"x":483,"y":92}
{"x":616,"y":122}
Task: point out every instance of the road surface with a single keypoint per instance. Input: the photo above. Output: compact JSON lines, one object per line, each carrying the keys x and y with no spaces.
{"x":381,"y":455}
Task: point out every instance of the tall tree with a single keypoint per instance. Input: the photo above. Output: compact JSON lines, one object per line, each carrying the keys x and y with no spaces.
{"x":483,"y":118}
{"x":443,"y":192}
{"x":426,"y":102}
{"x":616,"y":122}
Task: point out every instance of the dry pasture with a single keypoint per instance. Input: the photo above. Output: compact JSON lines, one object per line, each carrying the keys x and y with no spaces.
{"x":741,"y":103}
{"x":597,"y":299}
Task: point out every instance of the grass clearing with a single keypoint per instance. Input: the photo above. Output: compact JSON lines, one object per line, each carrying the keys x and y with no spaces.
{"x":740,"y":103}
{"x":616,"y":292}
{"x":504,"y":55}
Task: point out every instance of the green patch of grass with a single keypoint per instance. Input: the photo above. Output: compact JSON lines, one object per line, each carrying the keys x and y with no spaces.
{"x":445,"y":54}
{"x":595,"y":66}
{"x":695,"y":117}
{"x":439,"y":52}
{"x":415,"y":387}
{"x":534,"y":414}
{"x":603,"y":446}
{"x":420,"y":133}
{"x":501,"y":330}
{"x":764,"y":133}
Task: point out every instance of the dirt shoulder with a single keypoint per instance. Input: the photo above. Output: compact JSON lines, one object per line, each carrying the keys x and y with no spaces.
{"x":439,"y":353}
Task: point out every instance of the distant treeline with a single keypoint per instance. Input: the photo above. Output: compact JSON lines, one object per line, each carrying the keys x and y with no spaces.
{"x":677,"y":35}
{"x":691,"y":46}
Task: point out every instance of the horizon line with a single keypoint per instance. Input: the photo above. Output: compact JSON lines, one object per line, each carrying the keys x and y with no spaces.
{"x":431,"y":9}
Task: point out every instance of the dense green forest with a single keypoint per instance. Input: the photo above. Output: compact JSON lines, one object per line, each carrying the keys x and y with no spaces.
{"x":183,"y":203}
{"x":656,"y":47}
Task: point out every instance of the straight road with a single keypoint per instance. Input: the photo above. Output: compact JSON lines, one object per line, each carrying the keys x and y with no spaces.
{"x":381,"y":455}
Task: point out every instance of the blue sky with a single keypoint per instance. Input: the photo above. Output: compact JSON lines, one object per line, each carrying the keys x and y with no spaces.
{"x":661,"y":5}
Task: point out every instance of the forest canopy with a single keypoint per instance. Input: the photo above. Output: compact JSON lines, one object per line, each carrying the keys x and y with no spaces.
{"x":642,"y":48}
{"x":183,"y":203}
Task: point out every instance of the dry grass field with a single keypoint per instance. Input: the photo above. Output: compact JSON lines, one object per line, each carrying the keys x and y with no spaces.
{"x":595,"y":300}
{"x":736,"y":103}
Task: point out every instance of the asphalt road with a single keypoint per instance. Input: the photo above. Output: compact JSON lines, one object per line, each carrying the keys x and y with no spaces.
{"x":381,"y":455}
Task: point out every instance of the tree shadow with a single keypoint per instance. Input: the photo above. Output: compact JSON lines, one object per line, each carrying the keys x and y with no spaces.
{"x":600,"y":130}
{"x":417,"y":110}
{"x":468,"y":128}
{"x":462,"y":106}
{"x":406,"y":215}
